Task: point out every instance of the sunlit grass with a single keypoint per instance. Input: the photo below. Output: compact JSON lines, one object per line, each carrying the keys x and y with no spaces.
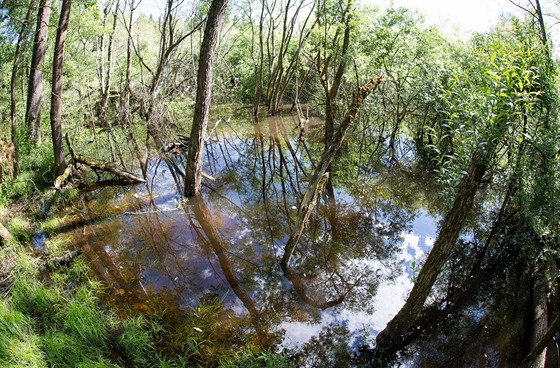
{"x":137,"y":341}
{"x":82,"y":320}
{"x":52,"y":224}
{"x":20,"y":228}
{"x":19,"y":346}
{"x":64,"y":350}
{"x":34,"y":299}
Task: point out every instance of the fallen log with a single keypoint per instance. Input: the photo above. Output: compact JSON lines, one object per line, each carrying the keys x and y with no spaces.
{"x":108,"y":167}
{"x":63,"y":178}
{"x":97,"y":165}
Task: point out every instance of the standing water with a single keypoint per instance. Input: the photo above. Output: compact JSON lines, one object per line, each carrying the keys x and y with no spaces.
{"x":362,"y":246}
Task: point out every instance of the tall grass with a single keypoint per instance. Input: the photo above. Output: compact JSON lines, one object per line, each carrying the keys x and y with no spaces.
{"x":19,"y":345}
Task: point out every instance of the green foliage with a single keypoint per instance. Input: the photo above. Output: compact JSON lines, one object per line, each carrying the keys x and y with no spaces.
{"x":20,"y":228}
{"x":487,"y":104}
{"x":34,"y":299}
{"x":257,"y":360}
{"x":19,"y":346}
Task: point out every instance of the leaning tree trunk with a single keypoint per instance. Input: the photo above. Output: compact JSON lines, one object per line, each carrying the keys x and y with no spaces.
{"x":451,"y":227}
{"x":35,"y":86}
{"x":56,"y":97}
{"x":193,"y":169}
{"x":319,"y":178}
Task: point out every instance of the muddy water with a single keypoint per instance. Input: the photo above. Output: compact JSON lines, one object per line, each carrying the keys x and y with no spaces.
{"x":363,"y":241}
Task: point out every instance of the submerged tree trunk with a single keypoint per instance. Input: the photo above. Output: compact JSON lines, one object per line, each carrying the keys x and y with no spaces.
{"x":193,"y":167}
{"x":56,"y":97}
{"x":540,"y":317}
{"x":35,"y":86}
{"x":451,"y":227}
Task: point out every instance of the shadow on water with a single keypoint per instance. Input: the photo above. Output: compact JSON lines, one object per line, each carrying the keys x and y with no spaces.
{"x":362,"y":241}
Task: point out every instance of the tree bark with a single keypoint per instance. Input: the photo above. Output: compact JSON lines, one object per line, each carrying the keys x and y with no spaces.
{"x":5,"y":235}
{"x":35,"y":86}
{"x":451,"y":227}
{"x":193,"y":169}
{"x":108,"y":73}
{"x":543,"y":342}
{"x":56,"y":96}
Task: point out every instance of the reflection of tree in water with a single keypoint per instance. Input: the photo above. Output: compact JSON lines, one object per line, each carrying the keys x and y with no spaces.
{"x":328,"y":257}
{"x":234,"y":239}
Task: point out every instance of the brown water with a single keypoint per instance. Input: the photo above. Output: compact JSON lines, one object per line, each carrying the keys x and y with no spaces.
{"x":148,"y":242}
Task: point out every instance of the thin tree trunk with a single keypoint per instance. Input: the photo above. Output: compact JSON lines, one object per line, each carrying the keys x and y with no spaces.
{"x":13,"y":105}
{"x":109,"y":71}
{"x":452,"y":225}
{"x":542,"y":27}
{"x":193,"y":169}
{"x":319,"y":178}
{"x":35,"y":86}
{"x":56,"y":97}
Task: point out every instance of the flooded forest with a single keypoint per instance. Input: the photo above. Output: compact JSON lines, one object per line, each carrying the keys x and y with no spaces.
{"x":276,"y":183}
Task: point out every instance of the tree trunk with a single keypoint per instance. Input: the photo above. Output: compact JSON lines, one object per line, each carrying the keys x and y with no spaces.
{"x":13,"y":105}
{"x":56,"y":97}
{"x":108,"y":72}
{"x":540,"y":316}
{"x":35,"y":87}
{"x":319,"y":179}
{"x":543,"y":342}
{"x":193,"y":169}
{"x":452,"y":225}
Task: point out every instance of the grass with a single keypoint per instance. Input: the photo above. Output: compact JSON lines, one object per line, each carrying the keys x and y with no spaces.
{"x":83,"y":321}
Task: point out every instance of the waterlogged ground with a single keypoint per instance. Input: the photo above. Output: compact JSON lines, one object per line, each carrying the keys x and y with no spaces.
{"x":364,"y":241}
